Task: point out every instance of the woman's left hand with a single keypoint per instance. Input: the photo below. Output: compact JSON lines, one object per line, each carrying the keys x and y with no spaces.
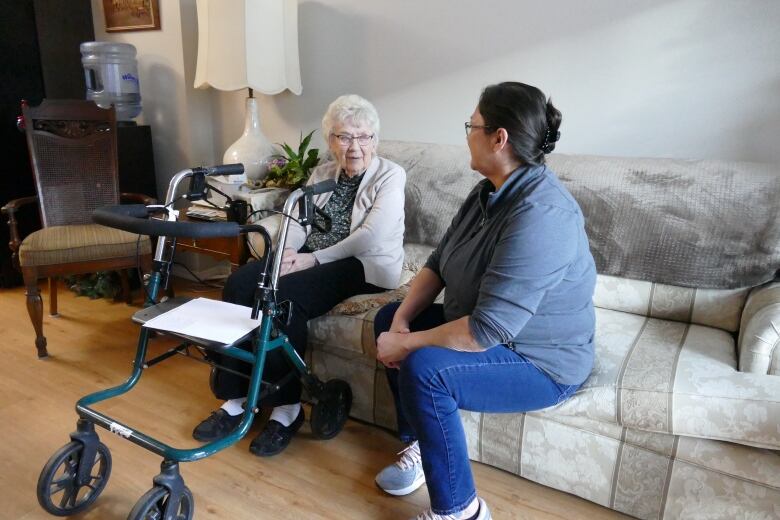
{"x":392,"y":348}
{"x":292,"y":261}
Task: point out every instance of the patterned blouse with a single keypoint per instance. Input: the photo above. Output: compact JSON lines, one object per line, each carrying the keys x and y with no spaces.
{"x":339,"y":209}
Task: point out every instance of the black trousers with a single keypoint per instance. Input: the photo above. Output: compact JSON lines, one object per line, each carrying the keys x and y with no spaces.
{"x":313,"y":292}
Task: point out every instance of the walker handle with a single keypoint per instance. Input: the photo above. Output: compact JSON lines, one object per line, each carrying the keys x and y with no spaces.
{"x":224,"y":169}
{"x":134,"y":219}
{"x":320,"y":187}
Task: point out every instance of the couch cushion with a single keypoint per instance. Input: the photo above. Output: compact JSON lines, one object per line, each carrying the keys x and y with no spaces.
{"x":415,"y":256}
{"x":720,"y":308}
{"x":438,"y":178}
{"x":671,"y":377}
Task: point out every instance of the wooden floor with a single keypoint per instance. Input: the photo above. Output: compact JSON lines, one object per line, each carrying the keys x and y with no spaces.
{"x":92,"y":345}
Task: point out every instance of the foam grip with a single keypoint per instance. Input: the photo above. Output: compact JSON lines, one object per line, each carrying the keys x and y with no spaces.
{"x":133,"y":219}
{"x":322,"y":187}
{"x":225,"y":169}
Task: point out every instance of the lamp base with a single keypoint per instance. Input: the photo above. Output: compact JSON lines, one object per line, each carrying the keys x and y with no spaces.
{"x":252,"y":149}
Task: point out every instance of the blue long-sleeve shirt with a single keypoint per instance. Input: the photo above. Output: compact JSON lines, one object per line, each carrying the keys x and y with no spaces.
{"x":517,"y":260}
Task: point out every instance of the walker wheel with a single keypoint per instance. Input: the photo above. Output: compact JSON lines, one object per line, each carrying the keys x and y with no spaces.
{"x":154,"y":504}
{"x":58,"y":491}
{"x":331,"y":411}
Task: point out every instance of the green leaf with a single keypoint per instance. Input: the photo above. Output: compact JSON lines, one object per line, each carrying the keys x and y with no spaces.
{"x":311,"y":160}
{"x":304,"y":144}
{"x":289,"y":151}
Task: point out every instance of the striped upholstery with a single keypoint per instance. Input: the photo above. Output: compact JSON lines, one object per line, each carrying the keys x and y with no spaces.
{"x":646,"y":475}
{"x":719,"y":308}
{"x":650,"y":374}
{"x":645,"y":435}
{"x":671,"y":377}
{"x":79,"y":243}
{"x":666,"y":427}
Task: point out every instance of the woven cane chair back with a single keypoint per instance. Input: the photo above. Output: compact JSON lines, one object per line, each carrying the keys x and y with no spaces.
{"x":73,"y":151}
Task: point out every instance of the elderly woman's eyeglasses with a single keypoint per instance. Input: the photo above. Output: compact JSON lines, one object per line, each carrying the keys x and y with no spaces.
{"x":345,"y":140}
{"x":470,"y":127}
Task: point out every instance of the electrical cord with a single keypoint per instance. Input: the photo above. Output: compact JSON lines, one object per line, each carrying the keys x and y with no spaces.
{"x":197,"y":278}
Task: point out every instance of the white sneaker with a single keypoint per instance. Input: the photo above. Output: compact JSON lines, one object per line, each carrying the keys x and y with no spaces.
{"x":404,"y":476}
{"x":483,"y":513}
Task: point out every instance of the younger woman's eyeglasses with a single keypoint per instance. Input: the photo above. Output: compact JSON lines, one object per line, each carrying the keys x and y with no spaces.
{"x":470,"y":127}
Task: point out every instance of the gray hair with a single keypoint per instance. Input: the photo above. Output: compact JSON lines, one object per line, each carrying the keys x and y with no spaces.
{"x":354,"y":109}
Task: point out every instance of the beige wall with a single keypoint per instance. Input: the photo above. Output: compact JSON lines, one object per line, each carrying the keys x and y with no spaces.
{"x":180,"y":116}
{"x":670,"y":78}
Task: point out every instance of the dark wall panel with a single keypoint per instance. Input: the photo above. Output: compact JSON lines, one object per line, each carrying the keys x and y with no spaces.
{"x":62,"y":27}
{"x":39,"y":57}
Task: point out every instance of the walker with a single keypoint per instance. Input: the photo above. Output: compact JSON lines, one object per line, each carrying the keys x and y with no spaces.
{"x":77,"y":473}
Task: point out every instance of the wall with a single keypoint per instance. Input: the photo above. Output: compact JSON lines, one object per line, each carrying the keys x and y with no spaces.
{"x":681,"y":78}
{"x":673,"y":78}
{"x":179,"y":115}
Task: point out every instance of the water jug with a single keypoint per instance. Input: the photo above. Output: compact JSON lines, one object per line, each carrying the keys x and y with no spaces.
{"x":111,"y":75}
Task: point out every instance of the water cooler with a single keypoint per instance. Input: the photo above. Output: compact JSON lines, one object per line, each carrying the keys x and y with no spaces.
{"x":111,"y":75}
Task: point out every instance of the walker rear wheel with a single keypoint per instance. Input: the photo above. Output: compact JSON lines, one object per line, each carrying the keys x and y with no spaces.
{"x":59,"y":492}
{"x":330,"y":412}
{"x":154,"y":503}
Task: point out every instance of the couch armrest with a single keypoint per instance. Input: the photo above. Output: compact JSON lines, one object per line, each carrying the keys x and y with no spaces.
{"x":758,"y":346}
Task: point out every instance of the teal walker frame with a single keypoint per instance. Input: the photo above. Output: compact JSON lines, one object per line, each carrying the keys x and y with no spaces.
{"x":77,"y":473}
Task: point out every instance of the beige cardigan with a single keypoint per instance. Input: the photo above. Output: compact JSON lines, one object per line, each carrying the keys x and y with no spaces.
{"x":377,"y":227}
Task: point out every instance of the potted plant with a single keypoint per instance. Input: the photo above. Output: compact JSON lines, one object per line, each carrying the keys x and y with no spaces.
{"x":292,"y":169}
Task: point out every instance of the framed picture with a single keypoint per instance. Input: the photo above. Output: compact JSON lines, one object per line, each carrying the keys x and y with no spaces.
{"x":131,"y":15}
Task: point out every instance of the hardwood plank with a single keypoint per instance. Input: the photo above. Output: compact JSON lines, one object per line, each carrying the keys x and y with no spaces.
{"x":92,"y":345}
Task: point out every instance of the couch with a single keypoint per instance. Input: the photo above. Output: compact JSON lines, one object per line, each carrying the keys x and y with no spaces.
{"x":680,"y":417}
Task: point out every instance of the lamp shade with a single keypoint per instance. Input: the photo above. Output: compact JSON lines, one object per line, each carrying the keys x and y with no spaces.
{"x":248,"y":43}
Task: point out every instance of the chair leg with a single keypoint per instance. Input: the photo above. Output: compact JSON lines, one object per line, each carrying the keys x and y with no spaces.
{"x":53,"y":296}
{"x":35,"y":308}
{"x":123,"y":277}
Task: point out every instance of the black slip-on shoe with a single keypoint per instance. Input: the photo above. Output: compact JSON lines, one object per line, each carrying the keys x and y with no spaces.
{"x":275,"y":437}
{"x":218,"y":425}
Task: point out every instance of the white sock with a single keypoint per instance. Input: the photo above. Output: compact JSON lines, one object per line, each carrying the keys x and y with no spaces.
{"x":286,"y":413}
{"x":470,"y":510}
{"x":234,"y":406}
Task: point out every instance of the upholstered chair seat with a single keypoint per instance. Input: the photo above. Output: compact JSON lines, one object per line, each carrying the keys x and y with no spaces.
{"x":79,"y":243}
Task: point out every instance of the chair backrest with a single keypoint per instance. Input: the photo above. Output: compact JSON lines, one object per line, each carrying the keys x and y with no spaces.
{"x":73,"y":151}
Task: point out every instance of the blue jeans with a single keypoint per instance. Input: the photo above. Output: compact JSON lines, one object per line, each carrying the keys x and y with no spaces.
{"x":434,"y":382}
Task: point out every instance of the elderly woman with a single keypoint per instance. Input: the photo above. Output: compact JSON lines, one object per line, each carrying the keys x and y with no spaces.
{"x":515,"y":332}
{"x":361,"y":253}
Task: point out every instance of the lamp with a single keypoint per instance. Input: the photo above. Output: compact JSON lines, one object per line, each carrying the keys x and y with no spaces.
{"x":248,"y":44}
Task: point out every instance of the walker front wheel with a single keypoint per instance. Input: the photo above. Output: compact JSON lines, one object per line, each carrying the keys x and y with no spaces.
{"x":59,"y":491}
{"x":154,"y":505}
{"x":330,"y":412}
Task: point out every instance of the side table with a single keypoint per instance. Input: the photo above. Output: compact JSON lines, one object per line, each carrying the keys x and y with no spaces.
{"x":233,"y":249}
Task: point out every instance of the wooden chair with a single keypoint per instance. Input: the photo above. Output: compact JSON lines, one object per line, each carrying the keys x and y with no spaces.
{"x":73,"y":152}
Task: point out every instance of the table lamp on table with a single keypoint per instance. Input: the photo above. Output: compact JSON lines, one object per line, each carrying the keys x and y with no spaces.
{"x":248,"y":44}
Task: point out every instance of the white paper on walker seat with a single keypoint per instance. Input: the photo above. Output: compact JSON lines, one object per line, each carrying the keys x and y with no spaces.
{"x":207,"y":319}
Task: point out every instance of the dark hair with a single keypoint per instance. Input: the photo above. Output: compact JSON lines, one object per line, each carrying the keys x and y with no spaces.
{"x":529,"y":118}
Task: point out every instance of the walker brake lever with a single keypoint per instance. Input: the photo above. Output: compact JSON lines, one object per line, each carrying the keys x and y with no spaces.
{"x":284,"y":312}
